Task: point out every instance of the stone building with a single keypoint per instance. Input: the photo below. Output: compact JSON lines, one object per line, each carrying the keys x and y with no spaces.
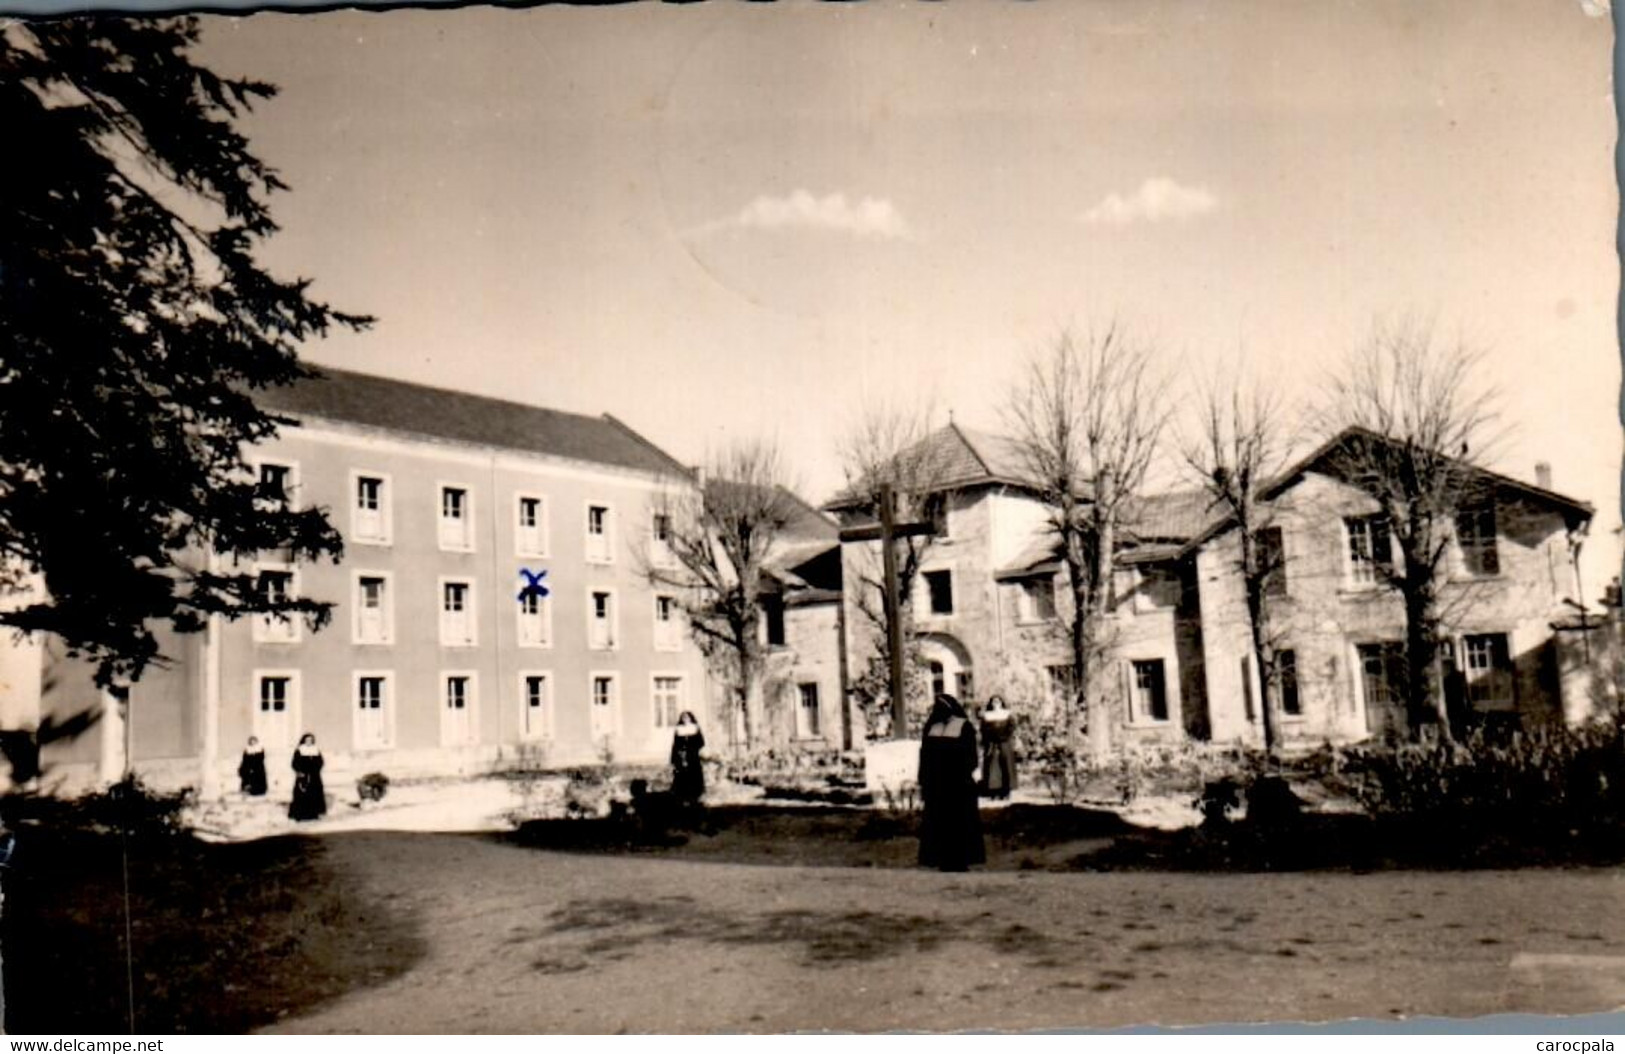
{"x":989,"y":602}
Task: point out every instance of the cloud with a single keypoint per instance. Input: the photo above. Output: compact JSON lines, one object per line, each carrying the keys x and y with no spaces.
{"x":865,"y":218}
{"x":1158,"y":198}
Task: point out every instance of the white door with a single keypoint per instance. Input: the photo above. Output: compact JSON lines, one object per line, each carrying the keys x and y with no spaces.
{"x":603,"y":708}
{"x":534,"y":704}
{"x":457,"y":711}
{"x":372,"y":714}
{"x":273,"y":714}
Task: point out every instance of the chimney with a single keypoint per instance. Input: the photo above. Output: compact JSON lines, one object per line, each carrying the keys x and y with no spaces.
{"x":1543,"y":475}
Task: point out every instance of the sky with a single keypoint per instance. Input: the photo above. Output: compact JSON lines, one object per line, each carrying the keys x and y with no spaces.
{"x":724,"y":221}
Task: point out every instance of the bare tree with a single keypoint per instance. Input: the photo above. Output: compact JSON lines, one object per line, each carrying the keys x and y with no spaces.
{"x":1417,"y":429}
{"x":888,"y":445}
{"x":709,"y":545}
{"x":1087,"y":418}
{"x":1234,"y":449}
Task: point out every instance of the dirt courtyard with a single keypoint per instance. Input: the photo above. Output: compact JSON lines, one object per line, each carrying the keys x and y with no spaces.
{"x":524,"y":940}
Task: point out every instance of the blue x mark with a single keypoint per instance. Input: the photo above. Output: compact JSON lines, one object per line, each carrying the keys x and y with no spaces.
{"x":533,"y":583}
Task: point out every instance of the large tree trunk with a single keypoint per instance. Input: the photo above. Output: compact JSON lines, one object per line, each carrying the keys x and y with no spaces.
{"x":1258,"y":627}
{"x":1424,"y":692}
{"x":1099,"y":714}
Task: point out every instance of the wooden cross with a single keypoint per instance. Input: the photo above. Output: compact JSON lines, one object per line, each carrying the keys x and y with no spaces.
{"x":886,"y":532}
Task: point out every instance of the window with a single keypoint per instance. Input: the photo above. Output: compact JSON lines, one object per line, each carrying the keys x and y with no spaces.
{"x":1475,"y":534}
{"x":1488,"y":671}
{"x":275,"y":484}
{"x":276,"y":586}
{"x":1286,"y":671}
{"x":1150,"y":694}
{"x":535,"y":705}
{"x":605,"y":704}
{"x":600,"y":536}
{"x":601,"y":619}
{"x":965,"y":685}
{"x":1271,"y":555}
{"x":456,"y":613}
{"x":1037,"y":602}
{"x":535,"y":620}
{"x":374,"y":614}
{"x":773,"y":615}
{"x":1154,"y":589}
{"x":1382,"y":674}
{"x":372,"y":717}
{"x":456,"y":519}
{"x":808,"y":725}
{"x":1062,"y":687}
{"x":1371,"y":560}
{"x":939,"y":679}
{"x":940,"y":586}
{"x":936,"y":512}
{"x":457,"y":722}
{"x":530,"y":526}
{"x":660,"y":553}
{"x":668,"y":629}
{"x":276,"y":707}
{"x":370,"y":519}
{"x":668,"y":700}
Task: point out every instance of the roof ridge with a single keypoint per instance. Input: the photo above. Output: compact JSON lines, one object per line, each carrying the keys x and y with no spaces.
{"x":327,"y":372}
{"x":682,"y":469}
{"x":953,"y":426}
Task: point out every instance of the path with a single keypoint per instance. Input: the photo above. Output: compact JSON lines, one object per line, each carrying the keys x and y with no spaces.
{"x":528,"y":941}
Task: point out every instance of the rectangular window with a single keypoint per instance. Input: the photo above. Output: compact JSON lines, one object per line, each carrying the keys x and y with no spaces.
{"x":370,"y":521}
{"x":1475,"y":534}
{"x":1286,"y":669}
{"x":456,"y":519}
{"x":1371,"y":560}
{"x":1382,"y":672}
{"x":1272,"y":561}
{"x":965,"y":686}
{"x":660,"y":553}
{"x":1062,"y":688}
{"x":600,"y":535}
{"x":773,"y":616}
{"x":1150,"y":691}
{"x":535,"y":705}
{"x":605,"y":702}
{"x":601,"y":625}
{"x":274,"y":485}
{"x":456,"y":614}
{"x":808,"y":724}
{"x":535,"y":620}
{"x":1488,"y":671}
{"x":374,"y":617}
{"x":276,"y":705}
{"x":1037,"y":602}
{"x":936,"y":512}
{"x":457,"y":721}
{"x":372,"y":711}
{"x":668,"y":701}
{"x":668,"y":628}
{"x":530,"y":528}
{"x":940,"y":585}
{"x":275,"y":587}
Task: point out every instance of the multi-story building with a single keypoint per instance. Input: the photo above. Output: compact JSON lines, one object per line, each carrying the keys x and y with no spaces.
{"x":989,"y":602}
{"x":491,"y":602}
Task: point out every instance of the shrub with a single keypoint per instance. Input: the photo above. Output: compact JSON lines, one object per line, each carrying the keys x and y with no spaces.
{"x":372,"y":787}
{"x":130,"y":806}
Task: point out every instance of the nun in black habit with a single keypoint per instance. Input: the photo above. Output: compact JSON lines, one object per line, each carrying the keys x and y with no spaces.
{"x":251,"y":770}
{"x":309,"y":795}
{"x":950,"y":826}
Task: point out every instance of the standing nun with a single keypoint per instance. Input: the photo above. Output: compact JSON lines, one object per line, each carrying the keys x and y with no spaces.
{"x":309,"y":795}
{"x":687,"y":774}
{"x":251,"y":770}
{"x":998,"y":750}
{"x":950,"y":827}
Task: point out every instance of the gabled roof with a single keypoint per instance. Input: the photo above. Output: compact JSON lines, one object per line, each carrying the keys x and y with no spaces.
{"x":1571,"y":508}
{"x":440,"y":413}
{"x":953,"y":458}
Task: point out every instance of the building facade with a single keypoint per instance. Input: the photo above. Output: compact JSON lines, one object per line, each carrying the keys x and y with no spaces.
{"x":989,"y":604}
{"x":491,"y":605}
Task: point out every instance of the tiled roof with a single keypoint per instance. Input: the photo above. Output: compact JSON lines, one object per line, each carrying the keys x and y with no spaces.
{"x":418,"y":409}
{"x":953,"y":457}
{"x":1177,"y":516}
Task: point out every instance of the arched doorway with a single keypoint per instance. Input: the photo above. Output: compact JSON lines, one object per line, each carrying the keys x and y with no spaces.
{"x":949,"y":665}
